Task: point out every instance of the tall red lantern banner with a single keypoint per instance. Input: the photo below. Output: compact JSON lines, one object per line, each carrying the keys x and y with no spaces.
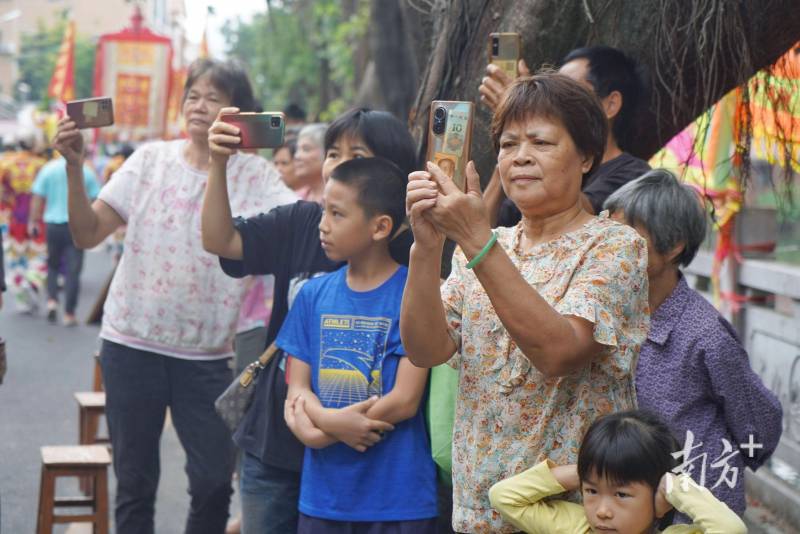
{"x":134,"y":68}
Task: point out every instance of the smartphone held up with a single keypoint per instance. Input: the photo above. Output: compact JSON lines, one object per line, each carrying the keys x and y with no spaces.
{"x":449,"y":138}
{"x":91,"y":112}
{"x":258,"y":130}
{"x":504,"y":51}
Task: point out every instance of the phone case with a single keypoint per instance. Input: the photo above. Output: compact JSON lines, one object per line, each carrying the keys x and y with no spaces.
{"x":504,"y":51}
{"x":258,"y":130}
{"x":91,"y":112}
{"x":449,"y":138}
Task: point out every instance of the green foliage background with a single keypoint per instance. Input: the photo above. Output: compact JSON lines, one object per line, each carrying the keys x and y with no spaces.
{"x":37,"y":59}
{"x":289,"y":49}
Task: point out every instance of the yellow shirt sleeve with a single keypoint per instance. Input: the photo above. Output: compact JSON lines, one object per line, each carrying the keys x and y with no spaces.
{"x":519,"y":501}
{"x":710,"y":515}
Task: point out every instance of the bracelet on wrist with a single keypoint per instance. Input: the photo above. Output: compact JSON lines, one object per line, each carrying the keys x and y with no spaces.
{"x":484,"y":251}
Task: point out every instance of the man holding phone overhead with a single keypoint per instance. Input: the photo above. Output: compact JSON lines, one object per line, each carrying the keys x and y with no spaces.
{"x":617,"y":81}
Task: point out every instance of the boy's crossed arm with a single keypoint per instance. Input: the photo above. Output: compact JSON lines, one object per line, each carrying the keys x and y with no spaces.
{"x":402,"y":402}
{"x":359,"y":425}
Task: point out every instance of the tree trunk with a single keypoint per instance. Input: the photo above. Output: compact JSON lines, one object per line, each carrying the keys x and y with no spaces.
{"x":391,"y":80}
{"x":694,"y":51}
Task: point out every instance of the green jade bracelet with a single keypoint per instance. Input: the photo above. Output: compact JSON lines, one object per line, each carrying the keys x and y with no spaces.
{"x":482,"y":254}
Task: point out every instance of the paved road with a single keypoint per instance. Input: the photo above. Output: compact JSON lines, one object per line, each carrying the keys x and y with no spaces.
{"x":47,"y":364}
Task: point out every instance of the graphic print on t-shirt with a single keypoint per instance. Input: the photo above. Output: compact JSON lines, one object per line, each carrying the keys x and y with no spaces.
{"x":352,"y":349}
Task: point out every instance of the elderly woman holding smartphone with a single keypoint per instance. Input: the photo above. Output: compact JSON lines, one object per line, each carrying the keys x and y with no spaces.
{"x":170,"y":316}
{"x":543,"y":321}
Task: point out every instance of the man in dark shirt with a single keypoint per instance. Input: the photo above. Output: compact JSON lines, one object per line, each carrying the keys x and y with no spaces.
{"x":614,"y":78}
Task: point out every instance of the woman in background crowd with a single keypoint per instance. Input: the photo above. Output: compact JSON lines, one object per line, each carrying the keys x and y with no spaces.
{"x":308,"y":159}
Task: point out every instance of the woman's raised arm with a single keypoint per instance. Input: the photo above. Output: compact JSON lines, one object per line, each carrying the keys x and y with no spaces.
{"x":216,"y":221}
{"x":89,"y":223}
{"x":423,"y":325}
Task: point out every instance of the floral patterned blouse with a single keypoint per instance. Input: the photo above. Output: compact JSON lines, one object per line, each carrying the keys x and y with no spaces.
{"x":509,"y":417}
{"x":168,"y":295}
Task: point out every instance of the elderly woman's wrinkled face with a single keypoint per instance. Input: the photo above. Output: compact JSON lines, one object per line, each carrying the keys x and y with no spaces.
{"x":201,"y":106}
{"x":540,"y":167}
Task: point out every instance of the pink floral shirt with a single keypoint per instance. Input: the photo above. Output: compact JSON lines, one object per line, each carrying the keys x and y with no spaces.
{"x":168,"y":295}
{"x":509,"y":417}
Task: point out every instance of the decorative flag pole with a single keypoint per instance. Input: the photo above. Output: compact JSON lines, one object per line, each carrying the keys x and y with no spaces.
{"x":62,"y":84}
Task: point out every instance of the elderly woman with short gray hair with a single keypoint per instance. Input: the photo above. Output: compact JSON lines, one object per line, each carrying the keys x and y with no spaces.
{"x":693,"y":371}
{"x":308,"y":158}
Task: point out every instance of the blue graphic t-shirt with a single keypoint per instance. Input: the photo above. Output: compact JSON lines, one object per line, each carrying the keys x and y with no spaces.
{"x":351,"y":340}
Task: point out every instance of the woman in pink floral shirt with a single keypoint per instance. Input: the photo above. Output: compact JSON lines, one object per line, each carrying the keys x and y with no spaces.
{"x":543,"y":321}
{"x":170,"y":316}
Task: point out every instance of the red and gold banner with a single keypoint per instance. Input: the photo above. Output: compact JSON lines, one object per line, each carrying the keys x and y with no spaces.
{"x":175,"y":124}
{"x":134,"y":67}
{"x":62,"y":84}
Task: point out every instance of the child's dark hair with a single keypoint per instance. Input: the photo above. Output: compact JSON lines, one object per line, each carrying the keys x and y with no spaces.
{"x":387,"y":137}
{"x":629,"y":446}
{"x":381,"y":186}
{"x":382,"y":132}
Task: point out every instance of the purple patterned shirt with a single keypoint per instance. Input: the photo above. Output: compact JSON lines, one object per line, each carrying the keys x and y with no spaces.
{"x":695,"y":374}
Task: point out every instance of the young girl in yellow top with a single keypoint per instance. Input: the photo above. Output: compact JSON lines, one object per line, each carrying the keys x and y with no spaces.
{"x":624,"y":476}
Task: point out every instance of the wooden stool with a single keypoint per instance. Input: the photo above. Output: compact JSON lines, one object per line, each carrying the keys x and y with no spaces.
{"x":74,"y":461}
{"x":91,"y":407}
{"x":97,"y":380}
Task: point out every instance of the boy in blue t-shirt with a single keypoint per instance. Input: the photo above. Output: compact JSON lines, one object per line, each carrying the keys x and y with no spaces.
{"x":354,"y":398}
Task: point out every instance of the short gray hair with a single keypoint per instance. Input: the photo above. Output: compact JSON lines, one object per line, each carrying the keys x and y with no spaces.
{"x":315,"y":132}
{"x":670,"y":211}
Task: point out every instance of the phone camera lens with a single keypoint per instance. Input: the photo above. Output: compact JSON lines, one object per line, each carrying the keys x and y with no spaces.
{"x":439,"y":120}
{"x":495,"y":46}
{"x":275,"y":122}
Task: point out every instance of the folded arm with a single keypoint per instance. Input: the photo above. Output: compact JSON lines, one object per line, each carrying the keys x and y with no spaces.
{"x":402,"y":402}
{"x":295,"y":412}
{"x":350,"y":425}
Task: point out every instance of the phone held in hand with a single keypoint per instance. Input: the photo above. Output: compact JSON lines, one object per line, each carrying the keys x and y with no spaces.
{"x":258,"y":130}
{"x":91,"y":112}
{"x":450,"y":137}
{"x":504,"y":51}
